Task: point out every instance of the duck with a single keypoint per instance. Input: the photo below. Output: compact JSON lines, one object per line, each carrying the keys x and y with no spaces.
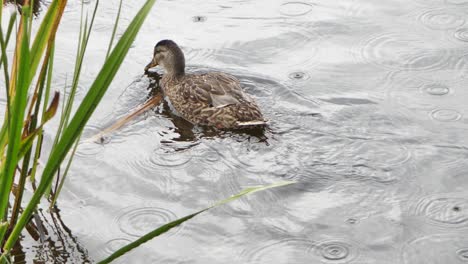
{"x":212,"y":99}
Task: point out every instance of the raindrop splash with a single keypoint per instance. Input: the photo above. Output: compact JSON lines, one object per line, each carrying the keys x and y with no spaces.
{"x":446,"y":115}
{"x":199,"y":19}
{"x":435,"y":89}
{"x":295,"y":8}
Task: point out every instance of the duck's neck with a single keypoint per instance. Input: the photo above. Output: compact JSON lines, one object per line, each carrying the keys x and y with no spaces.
{"x":175,"y":64}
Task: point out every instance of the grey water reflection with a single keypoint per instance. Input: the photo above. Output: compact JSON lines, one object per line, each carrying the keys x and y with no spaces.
{"x":366,"y":102}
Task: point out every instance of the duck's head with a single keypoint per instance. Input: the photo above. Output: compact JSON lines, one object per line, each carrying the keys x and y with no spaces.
{"x":169,"y":56}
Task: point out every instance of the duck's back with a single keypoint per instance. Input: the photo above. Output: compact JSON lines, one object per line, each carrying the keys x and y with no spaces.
{"x":212,"y":99}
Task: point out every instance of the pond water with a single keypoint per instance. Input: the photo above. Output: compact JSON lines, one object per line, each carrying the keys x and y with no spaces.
{"x":367,"y":109}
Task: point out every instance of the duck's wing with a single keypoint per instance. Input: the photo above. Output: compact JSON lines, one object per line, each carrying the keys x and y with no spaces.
{"x":218,"y":89}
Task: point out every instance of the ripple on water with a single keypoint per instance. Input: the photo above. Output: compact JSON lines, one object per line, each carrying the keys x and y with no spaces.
{"x":87,"y":147}
{"x":137,"y":221}
{"x":289,"y":250}
{"x":132,"y":96}
{"x":436,"y":89}
{"x":298,"y":75}
{"x":105,"y":21}
{"x":115,"y":244}
{"x":457,"y":2}
{"x":295,"y":8}
{"x":446,"y":115}
{"x":293,"y":43}
{"x":281,"y":161}
{"x":446,"y":210}
{"x":208,"y":155}
{"x":404,"y":52}
{"x":229,"y":182}
{"x":441,"y":19}
{"x":170,"y":159}
{"x":463,"y":254}
{"x":246,"y":156}
{"x":383,"y":153}
{"x":352,"y":221}
{"x":420,"y":99}
{"x":336,"y":251}
{"x":199,"y":19}
{"x":65,"y":57}
{"x":376,"y":160}
{"x":461,"y":34}
{"x":359,"y":201}
{"x":83,"y":222}
{"x":453,"y":70}
{"x":450,"y":156}
{"x":163,"y":158}
{"x":436,"y":249}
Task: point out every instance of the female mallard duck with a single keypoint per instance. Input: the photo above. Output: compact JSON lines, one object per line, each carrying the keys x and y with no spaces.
{"x":210,"y":99}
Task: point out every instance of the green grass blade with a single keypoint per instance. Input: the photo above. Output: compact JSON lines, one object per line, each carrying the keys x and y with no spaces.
{"x":44,"y":33}
{"x":165,"y":228}
{"x":58,"y":188}
{"x":84,"y":34}
{"x":82,"y":115}
{"x":44,"y":110}
{"x":11,"y":23}
{"x":27,"y":142}
{"x":16,"y":124}
{"x":78,"y":66}
{"x":4,"y":43}
{"x":4,"y":259}
{"x":116,"y":23}
{"x":4,"y":63}
{"x":4,"y":60}
{"x":3,"y":138}
{"x":251,"y":190}
{"x":49,"y":79}
{"x":3,"y":229}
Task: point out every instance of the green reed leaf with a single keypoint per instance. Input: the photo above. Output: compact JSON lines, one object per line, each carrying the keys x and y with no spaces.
{"x":27,"y":142}
{"x":116,"y":23}
{"x":16,"y":121}
{"x":82,"y":115}
{"x":46,"y":30}
{"x":165,"y":228}
{"x":3,"y":229}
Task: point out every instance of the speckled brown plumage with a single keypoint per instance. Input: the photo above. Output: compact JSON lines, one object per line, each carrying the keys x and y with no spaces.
{"x":211,"y":99}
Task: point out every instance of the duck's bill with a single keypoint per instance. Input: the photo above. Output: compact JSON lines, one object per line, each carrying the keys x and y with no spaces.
{"x":151,"y":65}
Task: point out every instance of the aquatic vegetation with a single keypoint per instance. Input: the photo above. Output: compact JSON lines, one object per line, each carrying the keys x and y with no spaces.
{"x":30,"y":104}
{"x":23,"y":124}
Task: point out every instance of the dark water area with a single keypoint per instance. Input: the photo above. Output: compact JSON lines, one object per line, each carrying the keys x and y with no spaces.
{"x":367,"y":109}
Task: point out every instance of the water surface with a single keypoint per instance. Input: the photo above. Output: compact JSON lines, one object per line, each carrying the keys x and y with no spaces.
{"x":367,"y":109}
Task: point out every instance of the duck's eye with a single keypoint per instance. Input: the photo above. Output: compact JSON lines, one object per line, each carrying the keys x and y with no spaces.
{"x":158,"y":50}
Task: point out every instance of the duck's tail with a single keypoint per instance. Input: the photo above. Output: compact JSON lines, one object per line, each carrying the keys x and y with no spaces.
{"x":251,"y":123}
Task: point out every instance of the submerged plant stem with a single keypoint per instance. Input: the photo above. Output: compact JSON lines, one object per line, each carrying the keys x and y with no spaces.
{"x":124,"y":120}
